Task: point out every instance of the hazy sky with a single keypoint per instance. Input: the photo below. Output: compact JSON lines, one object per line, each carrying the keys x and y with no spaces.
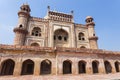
{"x":106,"y":14}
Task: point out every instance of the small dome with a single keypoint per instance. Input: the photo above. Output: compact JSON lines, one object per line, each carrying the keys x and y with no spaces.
{"x":25,"y":7}
{"x":88,"y":17}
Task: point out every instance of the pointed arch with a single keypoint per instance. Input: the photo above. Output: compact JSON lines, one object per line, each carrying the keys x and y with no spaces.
{"x":108,"y":67}
{"x":7,"y":67}
{"x":67,"y":67}
{"x":61,"y":38}
{"x":27,"y":67}
{"x":46,"y":66}
{"x":95,"y":66}
{"x":82,"y":66}
{"x":81,"y":36}
{"x":36,"y":31}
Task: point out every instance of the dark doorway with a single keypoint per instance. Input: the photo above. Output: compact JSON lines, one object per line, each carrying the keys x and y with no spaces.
{"x":67,"y":67}
{"x":7,"y":67}
{"x":45,"y":67}
{"x":27,"y":67}
{"x":82,"y":67}
{"x":108,"y":67}
{"x":117,"y":66}
{"x":95,"y":66}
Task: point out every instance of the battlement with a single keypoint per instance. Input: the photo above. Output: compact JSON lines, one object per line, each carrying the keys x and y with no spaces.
{"x":60,"y":16}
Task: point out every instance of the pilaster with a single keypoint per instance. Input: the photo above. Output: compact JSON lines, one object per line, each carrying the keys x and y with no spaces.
{"x":60,"y":68}
{"x":113,"y":67}
{"x":89,"y":67}
{"x":101,"y":67}
{"x":18,"y":67}
{"x":37,"y":68}
{"x":53,"y":67}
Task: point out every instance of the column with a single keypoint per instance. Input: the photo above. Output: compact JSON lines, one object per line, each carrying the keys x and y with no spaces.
{"x":60,"y":68}
{"x":101,"y":67}
{"x":18,"y":67}
{"x":89,"y":67}
{"x":37,"y":67}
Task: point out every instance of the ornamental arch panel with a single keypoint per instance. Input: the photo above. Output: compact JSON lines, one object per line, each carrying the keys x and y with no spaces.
{"x":45,"y":67}
{"x":95,"y":66}
{"x":82,"y":66}
{"x":7,"y":67}
{"x":108,"y":67}
{"x":67,"y":67}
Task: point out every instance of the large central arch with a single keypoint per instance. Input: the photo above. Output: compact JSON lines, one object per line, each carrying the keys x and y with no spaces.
{"x":61,"y":38}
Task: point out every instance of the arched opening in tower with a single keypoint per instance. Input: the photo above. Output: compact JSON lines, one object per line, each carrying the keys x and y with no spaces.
{"x":45,"y":67}
{"x":61,"y":38}
{"x":27,"y":67}
{"x":35,"y":44}
{"x":108,"y":67}
{"x":95,"y":65}
{"x":117,"y":64}
{"x":7,"y":67}
{"x":82,"y":67}
{"x":67,"y":67}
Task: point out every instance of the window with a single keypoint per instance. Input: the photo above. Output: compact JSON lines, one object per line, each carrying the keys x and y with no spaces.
{"x":36,"y":31}
{"x":81,"y":36}
{"x":20,"y":26}
{"x":59,"y":37}
{"x":65,"y":38}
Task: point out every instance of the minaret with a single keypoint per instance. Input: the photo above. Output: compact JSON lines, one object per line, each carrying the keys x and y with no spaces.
{"x":92,"y":37}
{"x":21,"y":29}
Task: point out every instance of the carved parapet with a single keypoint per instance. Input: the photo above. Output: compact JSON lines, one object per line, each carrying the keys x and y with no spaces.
{"x":20,"y":30}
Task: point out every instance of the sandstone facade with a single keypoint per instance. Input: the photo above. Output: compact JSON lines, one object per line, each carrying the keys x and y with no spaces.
{"x":55,"y":46}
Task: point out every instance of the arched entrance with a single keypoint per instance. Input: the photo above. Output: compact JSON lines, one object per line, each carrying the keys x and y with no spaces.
{"x":95,"y":65}
{"x":27,"y":67}
{"x":108,"y":67}
{"x":7,"y":67}
{"x":61,"y":38}
{"x":82,"y":67}
{"x":45,"y":67}
{"x":67,"y":67}
{"x":117,"y":66}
